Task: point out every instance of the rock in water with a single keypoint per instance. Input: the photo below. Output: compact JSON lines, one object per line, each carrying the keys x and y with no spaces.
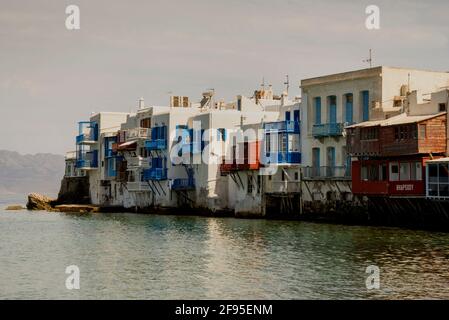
{"x":39,"y":202}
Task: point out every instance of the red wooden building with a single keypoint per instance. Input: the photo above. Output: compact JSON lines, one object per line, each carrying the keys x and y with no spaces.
{"x":389,"y":156}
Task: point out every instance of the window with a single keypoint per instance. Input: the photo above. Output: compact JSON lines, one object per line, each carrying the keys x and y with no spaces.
{"x":405,"y":132}
{"x":145,"y":123}
{"x":369,"y":133}
{"x":250,"y":184}
{"x":394,"y":171}
{"x":373,"y":173}
{"x":383,"y":172}
{"x":364,"y":173}
{"x":442,"y":107}
{"x":221,"y":134}
{"x":259,"y":183}
{"x":291,"y":143}
{"x":422,"y":131}
{"x":415,"y":171}
{"x":283,"y":175}
{"x":267,"y":143}
{"x":296,"y":176}
{"x":438,"y":180}
{"x":404,"y":174}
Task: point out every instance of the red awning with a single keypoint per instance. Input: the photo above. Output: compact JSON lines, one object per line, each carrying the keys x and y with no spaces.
{"x":127,"y":146}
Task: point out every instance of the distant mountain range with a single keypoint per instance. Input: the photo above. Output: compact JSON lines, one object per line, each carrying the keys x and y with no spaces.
{"x":23,"y":174}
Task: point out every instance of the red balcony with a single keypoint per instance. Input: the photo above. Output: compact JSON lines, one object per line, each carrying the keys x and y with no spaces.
{"x":250,"y":161}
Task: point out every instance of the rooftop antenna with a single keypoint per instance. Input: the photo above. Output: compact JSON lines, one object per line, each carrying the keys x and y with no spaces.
{"x":370,"y":59}
{"x":287,"y":82}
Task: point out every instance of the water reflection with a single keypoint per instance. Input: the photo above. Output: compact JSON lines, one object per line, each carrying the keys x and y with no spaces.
{"x":169,"y":257}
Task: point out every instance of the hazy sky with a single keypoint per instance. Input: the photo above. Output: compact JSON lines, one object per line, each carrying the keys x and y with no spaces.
{"x":51,"y":77}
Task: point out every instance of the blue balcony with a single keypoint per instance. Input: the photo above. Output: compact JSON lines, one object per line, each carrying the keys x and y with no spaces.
{"x":283,"y":126}
{"x":159,"y":144}
{"x":183,"y":184}
{"x":87,"y":160}
{"x":158,"y":139}
{"x":283,"y":158}
{"x":157,"y":174}
{"x":87,"y":132}
{"x":327,"y":130}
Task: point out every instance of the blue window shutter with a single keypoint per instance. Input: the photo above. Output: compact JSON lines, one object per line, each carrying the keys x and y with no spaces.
{"x":349,"y":111}
{"x":365,"y":111}
{"x":318,"y":110}
{"x":287,"y":115}
{"x":332,"y":109}
{"x":224,"y":134}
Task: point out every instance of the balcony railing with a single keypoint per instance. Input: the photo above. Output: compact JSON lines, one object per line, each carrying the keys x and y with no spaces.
{"x":337,"y":172}
{"x":283,"y":187}
{"x":87,"y":133}
{"x":138,"y":133}
{"x":87,"y":160}
{"x":283,"y":126}
{"x":157,"y":174}
{"x":283,"y":158}
{"x":138,"y":186}
{"x":134,"y":162}
{"x":71,"y":155}
{"x":183,"y":184}
{"x":245,"y":165}
{"x":86,"y":138}
{"x":159,"y":144}
{"x":327,"y":130}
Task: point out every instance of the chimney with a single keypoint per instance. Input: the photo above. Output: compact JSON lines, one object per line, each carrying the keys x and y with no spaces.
{"x":141,"y":104}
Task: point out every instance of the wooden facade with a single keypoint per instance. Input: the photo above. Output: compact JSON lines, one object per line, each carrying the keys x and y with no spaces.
{"x":424,"y":137}
{"x":390,"y":160}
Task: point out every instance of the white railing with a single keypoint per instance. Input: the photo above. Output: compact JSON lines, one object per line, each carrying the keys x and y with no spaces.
{"x":282,"y":186}
{"x":71,"y":155}
{"x":138,"y":133}
{"x":138,"y":186}
{"x":135,"y":162}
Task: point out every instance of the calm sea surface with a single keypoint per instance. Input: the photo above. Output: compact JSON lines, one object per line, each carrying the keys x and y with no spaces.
{"x":129,"y":256}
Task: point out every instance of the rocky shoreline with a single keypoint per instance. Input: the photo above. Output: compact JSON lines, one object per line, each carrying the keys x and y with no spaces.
{"x":39,"y":202}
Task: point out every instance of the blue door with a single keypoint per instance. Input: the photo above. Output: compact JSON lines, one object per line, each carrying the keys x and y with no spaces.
{"x":349,"y":109}
{"x":316,"y":162}
{"x":365,"y":105}
{"x":287,"y":115}
{"x":318,"y":110}
{"x":330,"y":161}
{"x":332,"y":109}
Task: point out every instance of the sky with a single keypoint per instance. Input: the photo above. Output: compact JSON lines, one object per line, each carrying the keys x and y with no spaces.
{"x":51,"y":77}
